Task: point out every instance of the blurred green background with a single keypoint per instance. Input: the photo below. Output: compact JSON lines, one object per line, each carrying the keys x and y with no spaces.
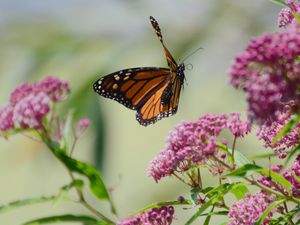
{"x":80,"y":41}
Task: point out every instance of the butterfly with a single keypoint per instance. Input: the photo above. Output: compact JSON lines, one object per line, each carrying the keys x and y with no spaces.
{"x":152,"y":91}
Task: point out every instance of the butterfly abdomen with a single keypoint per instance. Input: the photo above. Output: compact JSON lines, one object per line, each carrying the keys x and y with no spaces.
{"x":167,"y":94}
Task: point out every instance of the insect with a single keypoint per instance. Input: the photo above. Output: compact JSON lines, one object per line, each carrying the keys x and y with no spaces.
{"x":152,"y":91}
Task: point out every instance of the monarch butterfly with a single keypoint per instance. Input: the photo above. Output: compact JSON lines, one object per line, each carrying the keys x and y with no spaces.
{"x":152,"y":91}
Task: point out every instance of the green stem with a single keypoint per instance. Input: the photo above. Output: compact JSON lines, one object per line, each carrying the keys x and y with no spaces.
{"x":82,"y":200}
{"x":253,"y":182}
{"x":233,"y":145}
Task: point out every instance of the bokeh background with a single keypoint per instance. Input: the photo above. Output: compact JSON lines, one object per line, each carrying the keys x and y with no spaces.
{"x":80,"y":41}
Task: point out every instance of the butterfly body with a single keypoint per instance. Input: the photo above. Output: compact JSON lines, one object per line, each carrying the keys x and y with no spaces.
{"x":152,"y":91}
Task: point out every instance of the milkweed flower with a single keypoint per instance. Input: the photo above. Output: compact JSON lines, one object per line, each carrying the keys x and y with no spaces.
{"x":30,"y":103}
{"x":56,"y":89}
{"x":6,"y":118}
{"x":291,"y":174}
{"x":156,"y":216}
{"x":248,"y":210}
{"x":82,"y":125}
{"x":268,"y":72}
{"x":286,"y":16}
{"x":29,"y":112}
{"x":268,"y":131}
{"x":193,"y":143}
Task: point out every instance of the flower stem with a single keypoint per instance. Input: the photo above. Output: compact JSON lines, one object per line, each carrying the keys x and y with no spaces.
{"x":233,"y":145}
{"x":86,"y":204}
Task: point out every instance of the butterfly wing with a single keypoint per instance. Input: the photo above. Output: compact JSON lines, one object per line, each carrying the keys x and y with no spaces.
{"x":131,"y":87}
{"x":171,"y":61}
{"x":162,"y":103}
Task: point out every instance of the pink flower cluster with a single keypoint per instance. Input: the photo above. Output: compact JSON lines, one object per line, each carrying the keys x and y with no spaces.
{"x":268,"y":72}
{"x":267,"y":133}
{"x":193,"y":143}
{"x":286,"y":16}
{"x":156,"y":216}
{"x":268,"y":182}
{"x":248,"y":210}
{"x":292,"y":174}
{"x":29,"y":103}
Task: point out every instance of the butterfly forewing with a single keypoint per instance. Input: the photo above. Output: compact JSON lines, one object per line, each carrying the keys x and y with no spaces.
{"x":171,"y":61}
{"x":132,"y":86}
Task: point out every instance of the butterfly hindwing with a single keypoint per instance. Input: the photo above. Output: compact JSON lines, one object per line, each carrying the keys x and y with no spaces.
{"x":163,"y":103}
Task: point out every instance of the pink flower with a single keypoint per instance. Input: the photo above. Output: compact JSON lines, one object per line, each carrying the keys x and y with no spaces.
{"x":238,"y":127}
{"x":293,"y":176}
{"x":156,"y":216}
{"x":20,"y":92}
{"x":268,"y":71}
{"x":84,"y":123}
{"x":270,"y":183}
{"x":82,"y":126}
{"x":194,"y":143}
{"x":6,"y":118}
{"x":29,"y":112}
{"x":286,"y":16}
{"x":30,"y":103}
{"x":55,"y":88}
{"x":268,"y":131}
{"x":248,"y":210}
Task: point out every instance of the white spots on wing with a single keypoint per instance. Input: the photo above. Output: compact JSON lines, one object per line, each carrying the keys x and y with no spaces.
{"x":115,"y":86}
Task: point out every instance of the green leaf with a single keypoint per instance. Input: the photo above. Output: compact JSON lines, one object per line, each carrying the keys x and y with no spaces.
{"x":67,"y":131}
{"x":75,"y":183}
{"x":276,"y":177}
{"x":88,"y":100}
{"x":224,"y":223}
{"x":264,"y":156}
{"x":268,"y":210}
{"x":26,"y":202}
{"x":207,"y":219}
{"x":239,"y":190}
{"x":297,"y":18}
{"x":291,"y":155}
{"x":240,"y":159}
{"x":66,"y":218}
{"x":219,"y":189}
{"x":279,"y":2}
{"x":287,"y":128}
{"x":243,"y":171}
{"x":214,"y":194}
{"x":40,"y":199}
{"x":202,"y":209}
{"x":97,"y":185}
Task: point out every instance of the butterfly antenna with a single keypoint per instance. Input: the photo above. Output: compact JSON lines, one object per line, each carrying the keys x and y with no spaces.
{"x":189,"y":55}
